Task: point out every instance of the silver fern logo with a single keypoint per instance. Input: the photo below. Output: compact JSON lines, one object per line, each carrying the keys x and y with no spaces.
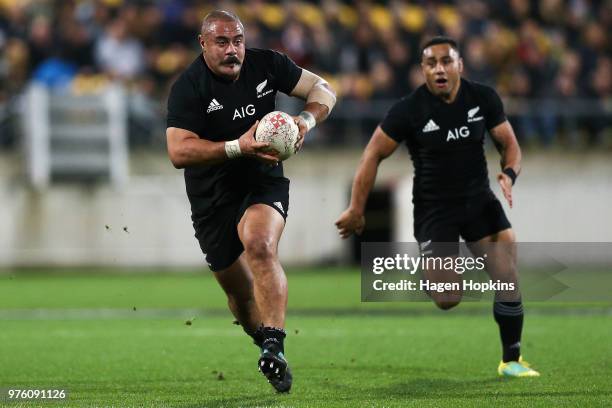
{"x":260,"y":89}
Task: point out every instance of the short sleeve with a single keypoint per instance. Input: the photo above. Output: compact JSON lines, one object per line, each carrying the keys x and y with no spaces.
{"x":183,"y":106}
{"x":286,"y":72}
{"x":494,"y":112}
{"x":396,"y":123}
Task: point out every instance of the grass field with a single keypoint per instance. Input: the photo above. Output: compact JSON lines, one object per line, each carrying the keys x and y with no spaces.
{"x":121,"y":340}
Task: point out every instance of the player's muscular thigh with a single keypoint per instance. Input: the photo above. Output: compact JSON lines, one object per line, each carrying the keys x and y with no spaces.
{"x":260,"y":230}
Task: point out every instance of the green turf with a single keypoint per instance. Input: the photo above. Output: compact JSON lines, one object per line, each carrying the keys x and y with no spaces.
{"x":343,"y":353}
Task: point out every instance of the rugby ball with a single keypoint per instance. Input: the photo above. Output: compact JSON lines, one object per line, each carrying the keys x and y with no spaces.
{"x":278,"y":129}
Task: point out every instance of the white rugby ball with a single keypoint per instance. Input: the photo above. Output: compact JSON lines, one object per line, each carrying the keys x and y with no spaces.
{"x":278,"y":129}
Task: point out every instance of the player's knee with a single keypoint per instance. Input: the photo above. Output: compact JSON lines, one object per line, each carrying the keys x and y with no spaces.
{"x":446,"y":304}
{"x":446,"y":301}
{"x":260,"y":248}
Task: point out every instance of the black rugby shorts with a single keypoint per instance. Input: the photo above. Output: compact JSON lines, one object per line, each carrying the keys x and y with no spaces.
{"x":217,"y":232}
{"x":439,"y":224}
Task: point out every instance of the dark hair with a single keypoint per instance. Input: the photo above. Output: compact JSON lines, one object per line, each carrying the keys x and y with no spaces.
{"x":440,"y":40}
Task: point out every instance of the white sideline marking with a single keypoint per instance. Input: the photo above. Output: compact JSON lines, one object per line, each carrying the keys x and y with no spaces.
{"x":101,"y":314}
{"x":177,"y":331}
{"x":177,"y":313}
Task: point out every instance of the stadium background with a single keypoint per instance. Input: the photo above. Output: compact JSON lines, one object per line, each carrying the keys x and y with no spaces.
{"x":96,"y":247}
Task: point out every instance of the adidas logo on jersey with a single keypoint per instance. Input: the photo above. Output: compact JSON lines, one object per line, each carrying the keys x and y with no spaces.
{"x":430,"y":126}
{"x":213,"y":106}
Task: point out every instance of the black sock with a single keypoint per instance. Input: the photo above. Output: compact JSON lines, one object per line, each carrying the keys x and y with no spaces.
{"x":271,"y":337}
{"x":257,"y":336}
{"x":509,"y":317}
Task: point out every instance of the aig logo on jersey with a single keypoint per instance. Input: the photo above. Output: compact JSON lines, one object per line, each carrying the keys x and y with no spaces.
{"x":456,"y":133}
{"x":244,"y":111}
{"x":472,"y":115}
{"x":260,"y":89}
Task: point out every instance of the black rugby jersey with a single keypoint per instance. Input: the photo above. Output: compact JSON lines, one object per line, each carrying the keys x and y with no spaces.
{"x":220,"y":110}
{"x":445,"y":141}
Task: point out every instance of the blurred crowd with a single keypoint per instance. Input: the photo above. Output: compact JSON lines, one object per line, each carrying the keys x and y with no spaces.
{"x":554,"y":53}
